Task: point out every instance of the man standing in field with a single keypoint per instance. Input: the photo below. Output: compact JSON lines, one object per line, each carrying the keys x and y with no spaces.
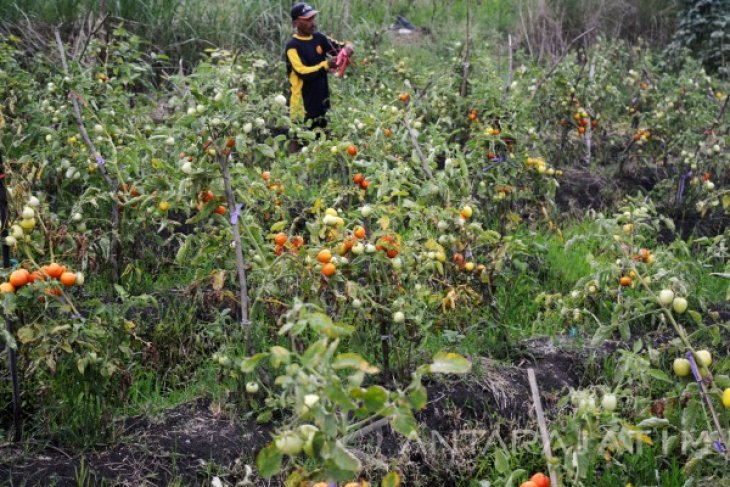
{"x":307,"y":66}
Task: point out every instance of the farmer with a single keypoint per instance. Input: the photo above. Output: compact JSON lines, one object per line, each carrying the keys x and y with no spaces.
{"x":307,"y":66}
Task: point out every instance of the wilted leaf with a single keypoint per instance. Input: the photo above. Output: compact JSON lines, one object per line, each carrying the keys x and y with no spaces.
{"x":219,"y":279}
{"x":26,"y":334}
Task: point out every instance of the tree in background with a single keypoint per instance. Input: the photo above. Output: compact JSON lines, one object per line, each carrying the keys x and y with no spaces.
{"x":704,"y":29}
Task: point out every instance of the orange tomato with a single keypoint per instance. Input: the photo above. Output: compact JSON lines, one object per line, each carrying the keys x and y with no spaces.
{"x":391,"y":253}
{"x":220,"y":209}
{"x":347,"y":244}
{"x":324,"y":256}
{"x":581,"y":130}
{"x":329,"y":269}
{"x":280,"y":239}
{"x":266,"y":175}
{"x":357,"y":178}
{"x":625,"y":281}
{"x":6,"y":287}
{"x":529,"y":483}
{"x":19,"y":277}
{"x":404,"y":97}
{"x":231,"y":142}
{"x":207,"y":196}
{"x":278,"y":250}
{"x":352,"y":150}
{"x":360,"y":232}
{"x":364,"y":184}
{"x":297,"y":241}
{"x":53,"y":270}
{"x":387,"y":132}
{"x":68,"y":279}
{"x":540,"y":479}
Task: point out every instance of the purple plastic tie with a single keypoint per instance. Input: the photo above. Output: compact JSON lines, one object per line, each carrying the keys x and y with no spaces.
{"x":100,"y":160}
{"x":719,"y":446}
{"x":680,"y":190}
{"x":693,"y":366}
{"x":236,"y":213}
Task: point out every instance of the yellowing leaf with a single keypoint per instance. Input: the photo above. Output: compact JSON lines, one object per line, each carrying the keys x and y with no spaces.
{"x":26,"y":335}
{"x":726,"y":202}
{"x":449,"y":363}
{"x":392,"y":479}
{"x":384,"y":223}
{"x":219,"y":279}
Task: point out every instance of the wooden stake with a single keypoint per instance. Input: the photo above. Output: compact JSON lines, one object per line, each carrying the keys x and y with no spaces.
{"x":543,"y":427}
{"x":114,"y":246}
{"x":240,"y":264}
{"x":12,"y":353}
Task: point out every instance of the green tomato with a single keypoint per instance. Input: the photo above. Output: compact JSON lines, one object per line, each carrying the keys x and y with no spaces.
{"x":679,"y":305}
{"x":681,"y":367}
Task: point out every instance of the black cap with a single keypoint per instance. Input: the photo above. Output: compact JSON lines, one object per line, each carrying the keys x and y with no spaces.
{"x":302,"y":10}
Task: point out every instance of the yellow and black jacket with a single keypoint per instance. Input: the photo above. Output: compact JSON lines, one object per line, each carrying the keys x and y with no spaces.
{"x":306,"y":66}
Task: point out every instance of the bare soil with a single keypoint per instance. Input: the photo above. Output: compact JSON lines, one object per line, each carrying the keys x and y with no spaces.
{"x":196,"y":441}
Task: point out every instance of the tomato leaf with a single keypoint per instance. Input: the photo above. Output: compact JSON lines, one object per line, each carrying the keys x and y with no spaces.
{"x":269,"y":461}
{"x":391,"y":479}
{"x":449,"y":363}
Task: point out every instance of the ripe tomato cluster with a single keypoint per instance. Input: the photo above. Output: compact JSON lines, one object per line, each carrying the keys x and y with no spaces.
{"x":53,"y":271}
{"x":537,"y":480}
{"x":388,"y":244}
{"x":281,"y":243}
{"x":360,"y":180}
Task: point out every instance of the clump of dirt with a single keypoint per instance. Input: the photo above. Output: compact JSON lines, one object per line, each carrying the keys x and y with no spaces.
{"x":581,"y":189}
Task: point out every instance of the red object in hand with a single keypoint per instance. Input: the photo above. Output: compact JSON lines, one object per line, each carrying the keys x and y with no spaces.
{"x":342,"y":60}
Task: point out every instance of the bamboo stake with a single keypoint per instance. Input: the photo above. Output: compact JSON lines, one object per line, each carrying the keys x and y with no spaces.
{"x":543,"y":427}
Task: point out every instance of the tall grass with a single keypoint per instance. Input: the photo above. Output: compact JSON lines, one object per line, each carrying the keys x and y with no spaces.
{"x":185,"y":26}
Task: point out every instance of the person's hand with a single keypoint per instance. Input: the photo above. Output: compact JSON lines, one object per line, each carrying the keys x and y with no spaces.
{"x":350,"y":47}
{"x":332,"y":63}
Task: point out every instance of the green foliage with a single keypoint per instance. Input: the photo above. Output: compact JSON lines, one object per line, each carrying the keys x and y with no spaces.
{"x":704,"y":30}
{"x":328,"y":397}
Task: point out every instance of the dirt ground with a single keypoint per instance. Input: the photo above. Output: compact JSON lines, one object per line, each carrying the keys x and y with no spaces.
{"x":193,"y":442}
